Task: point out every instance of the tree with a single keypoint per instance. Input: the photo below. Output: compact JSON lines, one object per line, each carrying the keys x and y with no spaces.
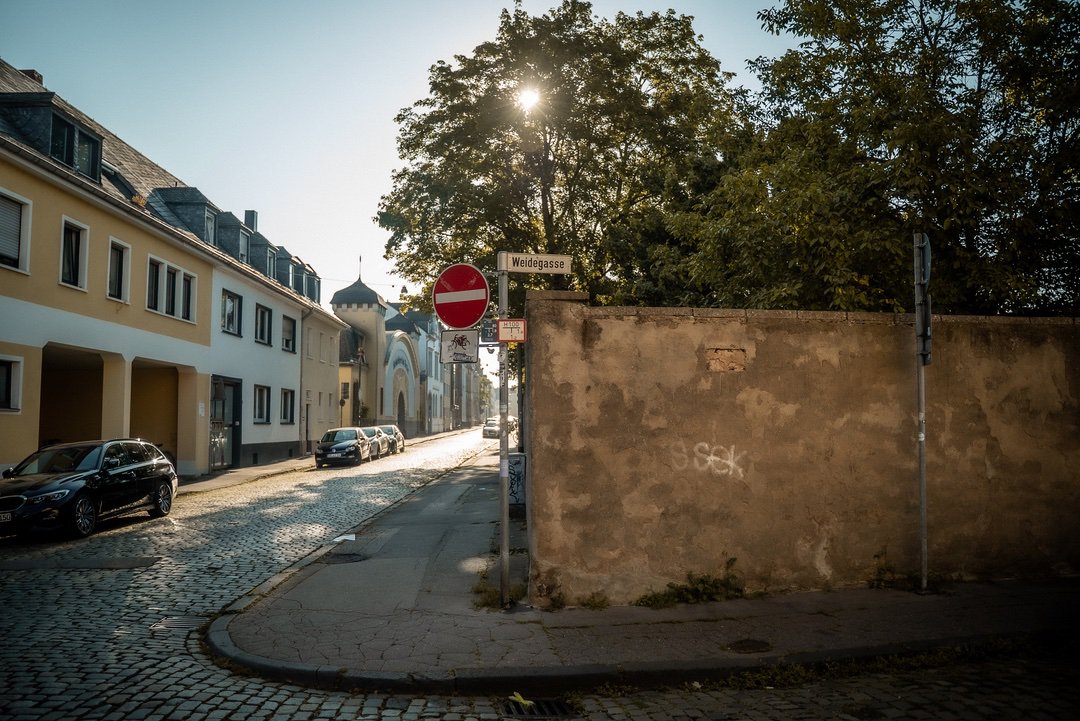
{"x":624,"y":110}
{"x":958,"y":118}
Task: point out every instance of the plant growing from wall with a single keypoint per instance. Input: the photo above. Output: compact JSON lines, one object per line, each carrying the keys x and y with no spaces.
{"x":697,"y":589}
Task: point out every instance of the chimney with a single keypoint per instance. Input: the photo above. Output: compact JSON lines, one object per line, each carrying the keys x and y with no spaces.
{"x":33,"y":75}
{"x":251,"y":219}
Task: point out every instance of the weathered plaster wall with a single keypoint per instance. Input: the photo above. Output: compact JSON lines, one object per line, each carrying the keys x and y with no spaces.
{"x":665,"y":441}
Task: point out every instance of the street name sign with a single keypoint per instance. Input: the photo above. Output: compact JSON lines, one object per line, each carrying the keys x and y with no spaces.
{"x":460,"y":296}
{"x":532,"y":263}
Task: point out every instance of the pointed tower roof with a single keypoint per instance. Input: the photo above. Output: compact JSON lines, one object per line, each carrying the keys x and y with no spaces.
{"x":356,"y":294}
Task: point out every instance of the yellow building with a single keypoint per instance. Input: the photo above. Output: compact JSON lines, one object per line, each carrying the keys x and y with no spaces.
{"x":131,"y":305}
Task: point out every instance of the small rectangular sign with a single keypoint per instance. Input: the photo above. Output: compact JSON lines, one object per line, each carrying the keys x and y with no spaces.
{"x":531,"y":263}
{"x":511,"y":330}
{"x":460,"y":346}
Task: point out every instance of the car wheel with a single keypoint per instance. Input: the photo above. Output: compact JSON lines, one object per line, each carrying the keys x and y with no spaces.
{"x":83,"y":516}
{"x":163,"y":498}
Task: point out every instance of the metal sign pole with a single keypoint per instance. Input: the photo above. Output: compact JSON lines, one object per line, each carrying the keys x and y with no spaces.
{"x":922,"y":357}
{"x":504,"y":447}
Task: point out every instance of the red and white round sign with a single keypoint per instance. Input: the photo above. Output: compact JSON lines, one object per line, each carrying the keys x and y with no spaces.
{"x":460,"y":296}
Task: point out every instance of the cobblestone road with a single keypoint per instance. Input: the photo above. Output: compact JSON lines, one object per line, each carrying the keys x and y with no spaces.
{"x":104,"y":628}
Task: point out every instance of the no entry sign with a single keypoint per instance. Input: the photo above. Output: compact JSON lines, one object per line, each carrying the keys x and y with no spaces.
{"x":460,"y":296}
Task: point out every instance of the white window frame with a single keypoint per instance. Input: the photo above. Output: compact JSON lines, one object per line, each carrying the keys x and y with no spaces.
{"x":176,"y":304}
{"x":26,"y":214}
{"x":288,"y":406}
{"x":244,"y":250}
{"x":288,"y":343}
{"x":264,"y":324}
{"x":261,"y":404}
{"x":84,"y":252}
{"x":237,"y":327}
{"x":210,"y":226}
{"x":125,"y":270}
{"x":16,"y":384}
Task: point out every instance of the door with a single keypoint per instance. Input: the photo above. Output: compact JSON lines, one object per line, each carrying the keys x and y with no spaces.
{"x":224,"y":424}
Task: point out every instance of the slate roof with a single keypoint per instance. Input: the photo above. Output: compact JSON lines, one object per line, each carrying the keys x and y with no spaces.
{"x":356,"y":294}
{"x":141,"y":173}
{"x":128,"y":177}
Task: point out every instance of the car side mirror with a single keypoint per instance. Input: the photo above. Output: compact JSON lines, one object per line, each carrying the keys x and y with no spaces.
{"x":111,"y":463}
{"x":8,"y":473}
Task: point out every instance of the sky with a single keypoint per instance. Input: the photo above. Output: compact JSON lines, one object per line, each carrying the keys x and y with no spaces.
{"x":287,"y":108}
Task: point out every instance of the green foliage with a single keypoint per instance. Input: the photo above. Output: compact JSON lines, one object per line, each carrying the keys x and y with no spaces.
{"x":697,"y":589}
{"x":596,"y":601}
{"x":625,"y":105}
{"x":667,"y":187}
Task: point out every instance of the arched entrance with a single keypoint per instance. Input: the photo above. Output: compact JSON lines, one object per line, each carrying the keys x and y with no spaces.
{"x":401,"y":411}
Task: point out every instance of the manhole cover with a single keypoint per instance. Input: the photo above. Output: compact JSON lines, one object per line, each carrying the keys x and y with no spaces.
{"x":344,"y":558}
{"x":178,"y":623}
{"x":538,"y":708}
{"x":749,"y":645}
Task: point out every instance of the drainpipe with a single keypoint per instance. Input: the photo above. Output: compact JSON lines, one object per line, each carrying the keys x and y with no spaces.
{"x":304,"y":429}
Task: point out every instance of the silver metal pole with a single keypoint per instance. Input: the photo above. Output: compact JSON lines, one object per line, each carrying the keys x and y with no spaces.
{"x":920,"y":382}
{"x":504,"y":447}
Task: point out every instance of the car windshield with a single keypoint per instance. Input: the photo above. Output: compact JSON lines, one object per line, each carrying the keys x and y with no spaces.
{"x":369,"y":432}
{"x":343,"y":434}
{"x":388,"y":429}
{"x":65,"y":459}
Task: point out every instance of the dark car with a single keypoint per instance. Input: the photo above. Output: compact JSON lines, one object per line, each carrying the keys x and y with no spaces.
{"x":397,"y":438}
{"x":71,"y":486}
{"x":342,"y":445}
{"x":380,"y":442}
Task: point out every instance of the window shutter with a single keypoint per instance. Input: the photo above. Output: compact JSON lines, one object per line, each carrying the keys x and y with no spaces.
{"x":10,"y":229}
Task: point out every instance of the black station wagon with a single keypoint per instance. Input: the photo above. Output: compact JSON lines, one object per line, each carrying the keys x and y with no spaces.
{"x":72,"y":486}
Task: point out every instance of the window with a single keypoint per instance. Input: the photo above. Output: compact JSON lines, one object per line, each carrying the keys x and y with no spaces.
{"x":73,"y":253}
{"x":153,"y":285}
{"x":170,"y":290}
{"x":245,"y":246}
{"x":210,"y":227}
{"x":288,"y":402}
{"x":119,"y":270}
{"x":262,"y":404}
{"x":230,"y":312}
{"x":10,"y":383}
{"x":263,"y":324}
{"x":186,"y":292}
{"x":271,"y":263}
{"x":14,"y":231}
{"x":76,"y":147}
{"x":288,"y":334}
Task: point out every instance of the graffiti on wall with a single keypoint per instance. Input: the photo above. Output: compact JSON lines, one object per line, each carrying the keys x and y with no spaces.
{"x":715,"y":459}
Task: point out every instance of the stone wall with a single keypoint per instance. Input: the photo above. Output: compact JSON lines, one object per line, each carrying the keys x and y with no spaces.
{"x":667,"y":441}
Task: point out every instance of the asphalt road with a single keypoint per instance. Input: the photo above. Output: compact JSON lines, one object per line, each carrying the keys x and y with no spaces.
{"x":105,"y":628}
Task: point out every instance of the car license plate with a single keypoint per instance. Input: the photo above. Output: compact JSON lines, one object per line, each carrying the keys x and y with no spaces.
{"x":333,"y":455}
{"x":5,"y":518}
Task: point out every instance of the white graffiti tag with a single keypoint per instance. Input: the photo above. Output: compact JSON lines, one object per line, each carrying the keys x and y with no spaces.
{"x":719,"y":460}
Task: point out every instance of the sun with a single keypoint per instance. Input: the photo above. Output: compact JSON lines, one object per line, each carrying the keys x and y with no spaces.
{"x":528,"y":98}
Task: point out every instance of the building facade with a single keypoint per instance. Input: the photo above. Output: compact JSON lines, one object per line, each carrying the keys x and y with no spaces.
{"x":131,"y":305}
{"x":390,"y":362}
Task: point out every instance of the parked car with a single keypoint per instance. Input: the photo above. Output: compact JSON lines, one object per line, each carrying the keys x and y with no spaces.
{"x":380,"y":442}
{"x":491,"y":428}
{"x":397,"y":438}
{"x":72,"y":486}
{"x":342,"y":445}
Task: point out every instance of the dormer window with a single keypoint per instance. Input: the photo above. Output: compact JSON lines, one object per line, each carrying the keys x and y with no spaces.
{"x":245,"y":246}
{"x":210,"y":227}
{"x":76,"y":148}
